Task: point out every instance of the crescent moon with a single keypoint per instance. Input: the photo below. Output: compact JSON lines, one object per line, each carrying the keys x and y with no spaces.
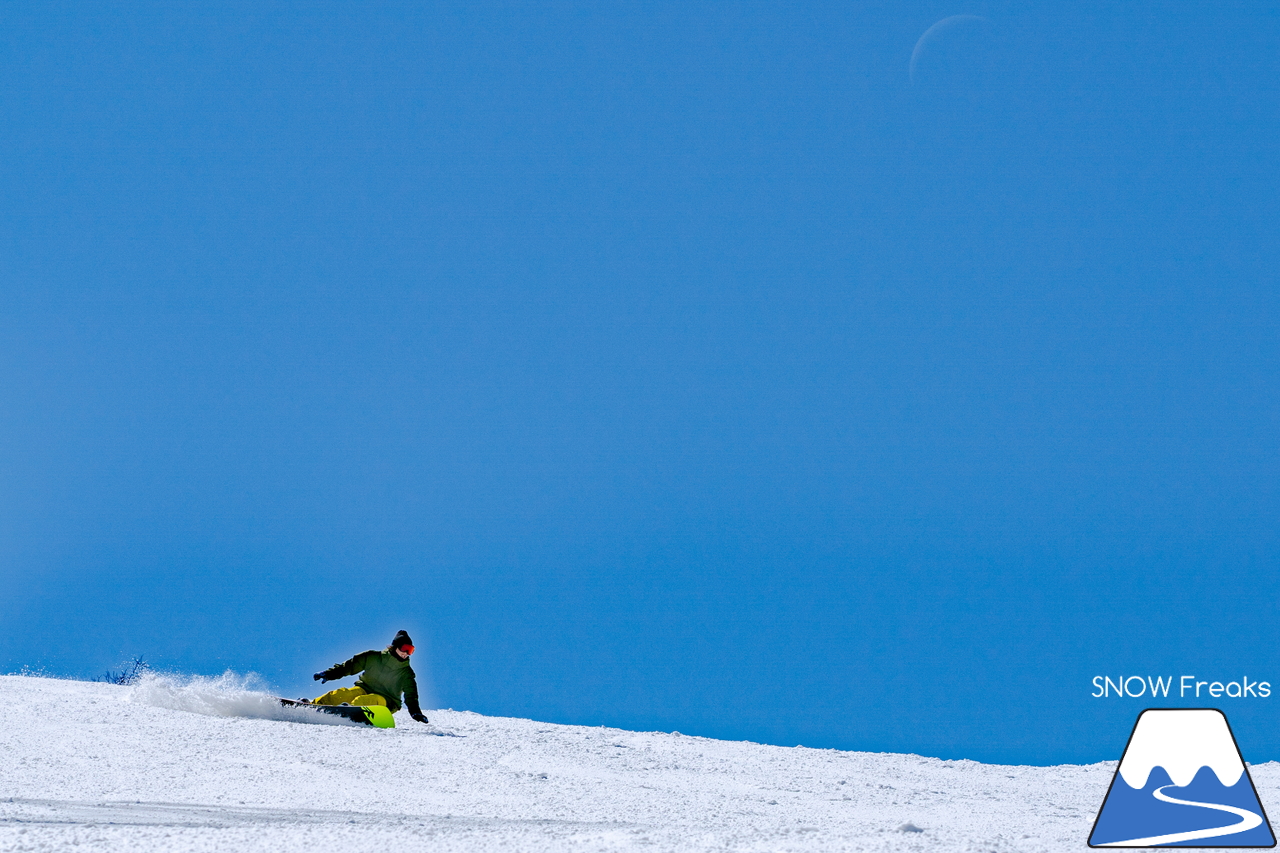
{"x":945,"y":23}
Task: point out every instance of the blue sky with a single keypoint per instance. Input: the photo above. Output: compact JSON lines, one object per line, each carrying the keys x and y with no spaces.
{"x":676,"y":366}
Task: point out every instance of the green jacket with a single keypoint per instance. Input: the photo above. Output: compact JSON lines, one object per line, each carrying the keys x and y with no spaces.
{"x":384,"y":674}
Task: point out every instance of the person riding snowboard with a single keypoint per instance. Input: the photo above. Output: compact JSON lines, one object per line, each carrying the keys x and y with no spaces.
{"x":386,"y":675}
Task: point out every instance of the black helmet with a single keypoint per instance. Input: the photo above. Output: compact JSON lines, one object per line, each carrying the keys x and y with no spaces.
{"x":402,"y":640}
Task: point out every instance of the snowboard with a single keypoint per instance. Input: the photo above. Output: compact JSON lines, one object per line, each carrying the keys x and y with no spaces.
{"x":377,"y":716}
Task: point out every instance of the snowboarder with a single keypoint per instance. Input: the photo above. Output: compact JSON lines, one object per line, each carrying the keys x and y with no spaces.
{"x":386,"y":675}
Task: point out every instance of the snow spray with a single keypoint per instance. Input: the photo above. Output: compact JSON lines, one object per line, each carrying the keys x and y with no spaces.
{"x":226,"y":695}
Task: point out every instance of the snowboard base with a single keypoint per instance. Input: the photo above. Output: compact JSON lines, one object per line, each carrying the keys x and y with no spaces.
{"x":378,"y":716}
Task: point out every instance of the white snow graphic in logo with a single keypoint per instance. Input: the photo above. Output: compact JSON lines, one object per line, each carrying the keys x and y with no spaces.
{"x":1182,"y":783}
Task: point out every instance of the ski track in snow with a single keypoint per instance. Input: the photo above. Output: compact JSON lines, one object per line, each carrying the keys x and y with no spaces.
{"x":90,"y":766}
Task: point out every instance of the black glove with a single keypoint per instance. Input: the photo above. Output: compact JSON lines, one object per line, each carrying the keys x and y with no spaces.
{"x":320,"y":677}
{"x":419,"y":716}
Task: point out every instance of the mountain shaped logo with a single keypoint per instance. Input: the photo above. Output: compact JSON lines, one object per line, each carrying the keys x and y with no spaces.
{"x":1182,"y":783}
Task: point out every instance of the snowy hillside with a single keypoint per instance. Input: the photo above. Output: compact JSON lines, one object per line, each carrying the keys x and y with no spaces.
{"x":101,"y":767}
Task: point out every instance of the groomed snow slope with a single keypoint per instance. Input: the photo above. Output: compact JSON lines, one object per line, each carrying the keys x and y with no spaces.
{"x":99,"y":767}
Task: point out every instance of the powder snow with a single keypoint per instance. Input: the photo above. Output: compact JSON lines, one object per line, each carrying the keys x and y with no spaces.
{"x":214,"y":764}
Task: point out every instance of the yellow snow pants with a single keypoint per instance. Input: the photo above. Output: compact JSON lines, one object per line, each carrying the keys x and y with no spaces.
{"x":350,"y":696}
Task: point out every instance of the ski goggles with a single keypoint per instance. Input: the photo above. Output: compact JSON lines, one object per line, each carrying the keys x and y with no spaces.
{"x":408,"y":650}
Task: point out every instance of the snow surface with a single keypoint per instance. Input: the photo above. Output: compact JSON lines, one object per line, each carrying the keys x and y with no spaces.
{"x":212,"y":764}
